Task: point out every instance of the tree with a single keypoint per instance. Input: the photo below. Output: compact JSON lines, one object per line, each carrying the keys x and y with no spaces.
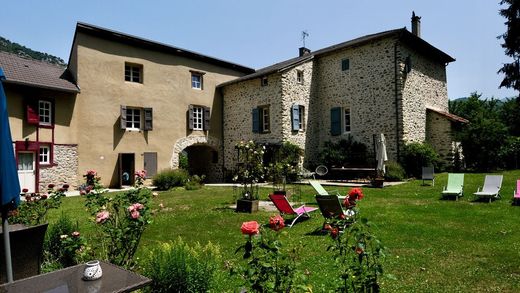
{"x":511,"y":44}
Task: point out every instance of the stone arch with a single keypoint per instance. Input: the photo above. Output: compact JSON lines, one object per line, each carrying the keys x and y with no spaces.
{"x":215,"y":167}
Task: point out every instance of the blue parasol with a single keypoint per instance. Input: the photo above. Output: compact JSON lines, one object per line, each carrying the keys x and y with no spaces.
{"x":9,"y":184}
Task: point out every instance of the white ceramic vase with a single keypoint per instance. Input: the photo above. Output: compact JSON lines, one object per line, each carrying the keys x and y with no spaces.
{"x":92,"y":271}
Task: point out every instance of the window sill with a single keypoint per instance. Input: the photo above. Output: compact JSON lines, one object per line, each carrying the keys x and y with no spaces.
{"x":48,"y":165}
{"x":133,"y":130}
{"x":41,"y":125}
{"x":197,"y":89}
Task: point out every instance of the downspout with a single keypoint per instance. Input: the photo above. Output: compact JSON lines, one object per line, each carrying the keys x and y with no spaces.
{"x":396,"y":99}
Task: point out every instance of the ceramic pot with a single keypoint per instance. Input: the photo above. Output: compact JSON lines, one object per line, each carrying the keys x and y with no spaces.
{"x":92,"y":271}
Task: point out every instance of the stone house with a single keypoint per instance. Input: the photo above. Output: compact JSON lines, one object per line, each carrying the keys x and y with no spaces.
{"x":40,"y":103}
{"x":392,"y":82}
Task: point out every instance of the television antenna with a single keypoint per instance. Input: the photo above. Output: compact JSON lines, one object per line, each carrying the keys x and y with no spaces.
{"x":305,"y":34}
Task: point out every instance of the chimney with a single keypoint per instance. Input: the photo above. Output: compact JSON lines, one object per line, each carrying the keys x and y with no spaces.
{"x":416,"y":24}
{"x":304,"y":51}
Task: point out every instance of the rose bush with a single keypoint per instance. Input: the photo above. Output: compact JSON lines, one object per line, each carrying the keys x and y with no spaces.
{"x":33,"y":211}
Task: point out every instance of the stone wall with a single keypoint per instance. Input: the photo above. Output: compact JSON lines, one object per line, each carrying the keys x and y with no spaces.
{"x":367,"y":88}
{"x":64,"y":170}
{"x":439,"y":135}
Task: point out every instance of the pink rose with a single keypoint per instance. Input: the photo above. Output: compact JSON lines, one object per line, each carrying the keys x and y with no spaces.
{"x":138,"y":206}
{"x":134,"y":214}
{"x":250,"y":228}
{"x":75,"y":234}
{"x":276,"y":222}
{"x":102,"y":216}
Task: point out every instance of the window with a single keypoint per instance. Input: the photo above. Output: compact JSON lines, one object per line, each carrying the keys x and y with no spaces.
{"x":346,"y":120}
{"x":261,"y":119}
{"x":45,"y":154}
{"x":199,"y":117}
{"x":345,"y":64}
{"x":45,"y":112}
{"x":298,"y":116}
{"x":133,"y":119}
{"x":196,"y":80}
{"x":134,"y":72}
{"x":299,"y":76}
{"x":263,"y":81}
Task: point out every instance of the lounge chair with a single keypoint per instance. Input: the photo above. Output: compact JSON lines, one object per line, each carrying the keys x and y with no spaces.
{"x":320,"y":190}
{"x":331,"y":208}
{"x":428,"y":174}
{"x":491,"y":189}
{"x":455,"y":186}
{"x":516,"y":194}
{"x":285,"y":208}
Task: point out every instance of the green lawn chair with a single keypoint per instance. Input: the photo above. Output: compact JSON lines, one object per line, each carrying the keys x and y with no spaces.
{"x":320,"y":190}
{"x":455,"y":186}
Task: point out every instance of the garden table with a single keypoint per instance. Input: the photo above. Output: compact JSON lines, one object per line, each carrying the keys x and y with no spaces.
{"x":68,"y":280}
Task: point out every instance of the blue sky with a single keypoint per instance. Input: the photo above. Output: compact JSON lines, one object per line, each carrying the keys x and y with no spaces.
{"x":260,"y":33}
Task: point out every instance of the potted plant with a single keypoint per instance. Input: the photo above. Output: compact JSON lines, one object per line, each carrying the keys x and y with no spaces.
{"x":379,"y":180}
{"x":248,"y":173}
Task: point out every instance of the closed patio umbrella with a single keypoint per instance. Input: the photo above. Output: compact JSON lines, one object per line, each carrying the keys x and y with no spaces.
{"x":9,"y":184}
{"x":381,"y":154}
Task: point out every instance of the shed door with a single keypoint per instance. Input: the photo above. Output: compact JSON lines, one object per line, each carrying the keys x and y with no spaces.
{"x":150,"y":164}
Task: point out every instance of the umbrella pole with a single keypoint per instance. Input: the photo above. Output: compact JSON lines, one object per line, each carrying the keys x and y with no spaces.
{"x":7,"y":247}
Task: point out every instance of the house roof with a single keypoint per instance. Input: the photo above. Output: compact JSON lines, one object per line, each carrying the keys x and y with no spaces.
{"x":403,"y":34}
{"x":449,"y":116}
{"x":34,"y":73}
{"x":152,"y":45}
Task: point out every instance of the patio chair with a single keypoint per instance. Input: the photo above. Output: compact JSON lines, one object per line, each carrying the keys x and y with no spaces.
{"x":455,"y":186}
{"x":320,"y":190}
{"x":331,"y":208}
{"x":428,"y":174}
{"x":285,"y":208}
{"x":516,"y":194}
{"x":491,"y":189}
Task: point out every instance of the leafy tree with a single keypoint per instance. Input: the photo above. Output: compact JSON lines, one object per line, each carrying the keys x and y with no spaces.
{"x":511,"y":44}
{"x":510,"y":115}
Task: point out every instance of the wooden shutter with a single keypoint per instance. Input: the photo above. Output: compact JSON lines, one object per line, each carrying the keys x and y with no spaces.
{"x":190,"y":117}
{"x":335,"y":121}
{"x":345,"y":64}
{"x":123,"y":117}
{"x":256,"y":120}
{"x":295,"y":117}
{"x":150,"y":164}
{"x":207,"y":113}
{"x":32,"y":115}
{"x":148,"y":119}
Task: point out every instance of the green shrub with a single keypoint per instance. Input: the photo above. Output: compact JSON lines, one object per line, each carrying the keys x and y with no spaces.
{"x":179,"y":267}
{"x":194,"y":182}
{"x":346,"y":152}
{"x":394,"y":171}
{"x":167,"y":179}
{"x":417,"y":155}
{"x":52,"y":245}
{"x":183,"y":161}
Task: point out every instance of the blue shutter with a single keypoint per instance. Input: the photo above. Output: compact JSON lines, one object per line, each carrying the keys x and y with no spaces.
{"x":256,"y":120}
{"x":295,"y":117}
{"x":335,"y":121}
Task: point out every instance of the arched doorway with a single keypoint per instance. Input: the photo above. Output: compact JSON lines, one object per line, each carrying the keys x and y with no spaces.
{"x":201,"y":155}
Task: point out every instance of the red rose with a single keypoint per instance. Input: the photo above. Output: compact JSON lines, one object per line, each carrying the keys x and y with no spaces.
{"x":327,"y":227}
{"x":359,"y":250}
{"x":25,"y":190}
{"x":342,"y":216}
{"x":66,"y":186}
{"x":355,"y":194}
{"x":334,"y":233}
{"x":50,"y":186}
{"x":250,"y":228}
{"x":276,"y":222}
{"x":346,"y":203}
{"x":43,"y":196}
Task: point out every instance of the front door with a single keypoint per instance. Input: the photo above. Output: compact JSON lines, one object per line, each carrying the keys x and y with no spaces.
{"x":26,"y":171}
{"x":126,"y":169}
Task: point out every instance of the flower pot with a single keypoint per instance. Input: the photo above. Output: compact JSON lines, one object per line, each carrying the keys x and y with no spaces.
{"x":378,"y":182}
{"x":247,"y":205}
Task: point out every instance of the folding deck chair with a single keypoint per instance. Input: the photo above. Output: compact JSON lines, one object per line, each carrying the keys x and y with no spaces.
{"x":320,"y":190}
{"x":455,"y":186}
{"x":491,"y":188}
{"x":331,"y":208}
{"x":285,"y":208}
{"x":516,"y":194}
{"x":428,"y":174}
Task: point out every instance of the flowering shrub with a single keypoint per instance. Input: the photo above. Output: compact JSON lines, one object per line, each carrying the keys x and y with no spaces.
{"x":354,"y":195}
{"x":74,"y":249}
{"x":122,"y":218}
{"x":269,"y":268}
{"x":140,"y":176}
{"x":250,"y":169}
{"x":33,"y":210}
{"x":359,"y":257}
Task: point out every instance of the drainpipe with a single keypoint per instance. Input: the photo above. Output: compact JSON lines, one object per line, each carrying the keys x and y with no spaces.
{"x":396,"y":69}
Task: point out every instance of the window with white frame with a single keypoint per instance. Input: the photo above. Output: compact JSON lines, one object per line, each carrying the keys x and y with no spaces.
{"x":133,"y":72}
{"x":196,"y":80}
{"x":299,"y":76}
{"x":45,"y":112}
{"x":45,"y":154}
{"x":264,"y":111}
{"x":198,"y":118}
{"x":301,"y":116}
{"x":133,"y":119}
{"x":346,"y":120}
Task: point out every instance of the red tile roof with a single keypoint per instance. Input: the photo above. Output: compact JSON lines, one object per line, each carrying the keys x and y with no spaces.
{"x":28,"y":72}
{"x":449,"y":116}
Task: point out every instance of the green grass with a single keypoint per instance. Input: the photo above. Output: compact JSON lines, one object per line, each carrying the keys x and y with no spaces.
{"x":436,"y":245}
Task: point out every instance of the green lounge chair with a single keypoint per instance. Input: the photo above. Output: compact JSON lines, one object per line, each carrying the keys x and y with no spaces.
{"x":455,"y":186}
{"x":491,"y":188}
{"x":320,"y":190}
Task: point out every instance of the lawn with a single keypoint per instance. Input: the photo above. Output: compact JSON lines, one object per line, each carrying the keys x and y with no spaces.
{"x":435,"y":245}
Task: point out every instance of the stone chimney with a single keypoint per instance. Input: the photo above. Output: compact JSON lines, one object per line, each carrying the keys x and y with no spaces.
{"x":304,"y":51}
{"x":416,"y":24}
